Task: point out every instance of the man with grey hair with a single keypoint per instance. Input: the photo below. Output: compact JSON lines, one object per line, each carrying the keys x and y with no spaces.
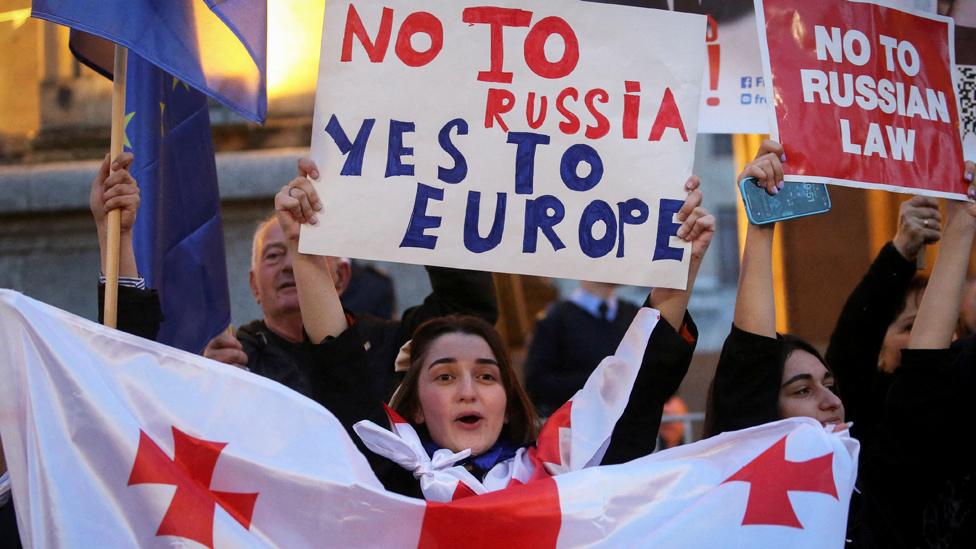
{"x":273,"y":346}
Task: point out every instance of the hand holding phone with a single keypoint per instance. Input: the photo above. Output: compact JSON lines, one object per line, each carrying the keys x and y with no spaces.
{"x":797,"y":199}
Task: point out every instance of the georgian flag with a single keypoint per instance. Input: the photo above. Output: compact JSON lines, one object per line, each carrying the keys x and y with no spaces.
{"x":113,"y":440}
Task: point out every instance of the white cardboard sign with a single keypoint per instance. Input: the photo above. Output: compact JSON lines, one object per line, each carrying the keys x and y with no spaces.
{"x":547,"y":138}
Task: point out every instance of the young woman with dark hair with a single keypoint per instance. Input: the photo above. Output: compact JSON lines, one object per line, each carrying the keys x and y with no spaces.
{"x":461,"y":416}
{"x":763,"y":376}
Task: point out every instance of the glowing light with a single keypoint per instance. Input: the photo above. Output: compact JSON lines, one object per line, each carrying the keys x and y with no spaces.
{"x":294,"y":41}
{"x":17,"y":17}
{"x":226,"y":59}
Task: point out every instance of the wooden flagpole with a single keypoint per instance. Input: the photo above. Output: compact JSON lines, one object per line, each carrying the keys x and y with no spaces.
{"x":114,"y":217}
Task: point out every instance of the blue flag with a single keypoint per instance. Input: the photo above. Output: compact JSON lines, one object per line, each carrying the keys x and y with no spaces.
{"x":178,"y":236}
{"x":216,"y":46}
{"x":176,"y":48}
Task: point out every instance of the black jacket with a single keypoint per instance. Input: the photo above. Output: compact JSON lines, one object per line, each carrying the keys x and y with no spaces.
{"x":453,"y":291}
{"x":858,"y":336}
{"x":567,"y":346}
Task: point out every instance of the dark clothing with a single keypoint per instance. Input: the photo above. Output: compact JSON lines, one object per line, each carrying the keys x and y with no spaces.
{"x":859,"y":335}
{"x":9,"y":535}
{"x":745,"y":392}
{"x":931,"y":395}
{"x":664,"y":365}
{"x":454,"y":291}
{"x":370,"y":291}
{"x":568,"y":345}
{"x":139,"y":312}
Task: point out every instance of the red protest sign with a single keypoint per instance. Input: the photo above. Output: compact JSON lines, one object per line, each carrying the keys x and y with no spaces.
{"x":863,"y":95}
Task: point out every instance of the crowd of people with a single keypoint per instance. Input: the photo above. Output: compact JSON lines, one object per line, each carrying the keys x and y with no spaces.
{"x":896,"y":373}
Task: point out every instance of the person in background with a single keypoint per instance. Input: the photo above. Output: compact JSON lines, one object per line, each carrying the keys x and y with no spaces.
{"x":672,"y":433}
{"x":370,"y":291}
{"x":571,"y":339}
{"x":874,"y":325}
{"x":272,"y":346}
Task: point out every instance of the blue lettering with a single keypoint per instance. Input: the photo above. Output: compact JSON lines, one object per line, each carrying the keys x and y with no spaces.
{"x":525,"y":158}
{"x":631,"y":212}
{"x":472,"y":240}
{"x":460,"y":169}
{"x":397,"y":151}
{"x":537,"y":217}
{"x":570,"y":163}
{"x":666,"y":228}
{"x":415,"y":236}
{"x":355,"y":151}
{"x":595,"y":212}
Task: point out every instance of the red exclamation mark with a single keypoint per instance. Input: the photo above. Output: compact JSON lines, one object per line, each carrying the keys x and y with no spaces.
{"x":711,"y":35}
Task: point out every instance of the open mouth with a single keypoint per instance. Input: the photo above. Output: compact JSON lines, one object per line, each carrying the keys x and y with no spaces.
{"x":469,"y":419}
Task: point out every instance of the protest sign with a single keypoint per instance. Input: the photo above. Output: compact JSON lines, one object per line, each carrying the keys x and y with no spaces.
{"x":733,"y":85}
{"x":865,"y":95}
{"x":552,"y":138}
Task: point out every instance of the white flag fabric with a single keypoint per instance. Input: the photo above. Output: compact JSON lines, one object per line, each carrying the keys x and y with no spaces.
{"x":113,"y":440}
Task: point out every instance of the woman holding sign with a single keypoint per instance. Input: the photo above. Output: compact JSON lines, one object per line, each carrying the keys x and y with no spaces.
{"x":763,"y":376}
{"x":461,"y":423}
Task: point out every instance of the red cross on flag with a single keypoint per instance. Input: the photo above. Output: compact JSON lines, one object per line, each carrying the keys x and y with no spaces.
{"x":116,"y":441}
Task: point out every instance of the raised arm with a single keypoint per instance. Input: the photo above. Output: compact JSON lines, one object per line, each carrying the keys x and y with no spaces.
{"x":670,"y":347}
{"x":697,"y":227}
{"x":297,"y":203}
{"x":938,"y":313}
{"x":755,"y":306}
{"x":114,"y":188}
{"x":859,"y":337}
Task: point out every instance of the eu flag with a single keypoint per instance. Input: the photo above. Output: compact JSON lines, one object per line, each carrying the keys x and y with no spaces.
{"x":178,"y":236}
{"x":216,"y":46}
{"x":176,"y":48}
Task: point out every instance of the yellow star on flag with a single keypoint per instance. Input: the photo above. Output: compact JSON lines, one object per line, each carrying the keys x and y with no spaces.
{"x":177,"y":81}
{"x":128,"y":118}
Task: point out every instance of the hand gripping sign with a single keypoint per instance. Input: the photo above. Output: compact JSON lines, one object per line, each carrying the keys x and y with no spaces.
{"x":863,"y":95}
{"x":549,"y":138}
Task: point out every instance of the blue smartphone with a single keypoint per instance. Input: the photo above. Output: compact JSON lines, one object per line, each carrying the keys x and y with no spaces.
{"x":795,"y":200}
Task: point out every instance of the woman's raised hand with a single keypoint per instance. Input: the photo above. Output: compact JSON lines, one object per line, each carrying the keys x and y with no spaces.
{"x":697,"y":225}
{"x":297,"y":202}
{"x":767,"y":167}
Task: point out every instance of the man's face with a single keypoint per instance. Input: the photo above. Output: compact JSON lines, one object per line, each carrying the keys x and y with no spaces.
{"x":272,"y":278}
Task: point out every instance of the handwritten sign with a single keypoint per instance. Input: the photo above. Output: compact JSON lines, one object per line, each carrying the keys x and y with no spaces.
{"x":549,"y":138}
{"x":864,"y":95}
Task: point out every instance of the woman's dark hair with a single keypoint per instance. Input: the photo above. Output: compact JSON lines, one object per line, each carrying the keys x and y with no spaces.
{"x":916,"y":288}
{"x":767,"y":411}
{"x":791,"y":344}
{"x":522,"y":426}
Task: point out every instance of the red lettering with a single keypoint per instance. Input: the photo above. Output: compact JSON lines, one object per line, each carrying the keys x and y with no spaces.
{"x":668,"y":116}
{"x":499,"y":102}
{"x":536,"y":122}
{"x":631,"y":109}
{"x":535,"y":48}
{"x":354,"y":26}
{"x":426,"y":23}
{"x":602,"y":126}
{"x":572,"y":123}
{"x":497,"y":18}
